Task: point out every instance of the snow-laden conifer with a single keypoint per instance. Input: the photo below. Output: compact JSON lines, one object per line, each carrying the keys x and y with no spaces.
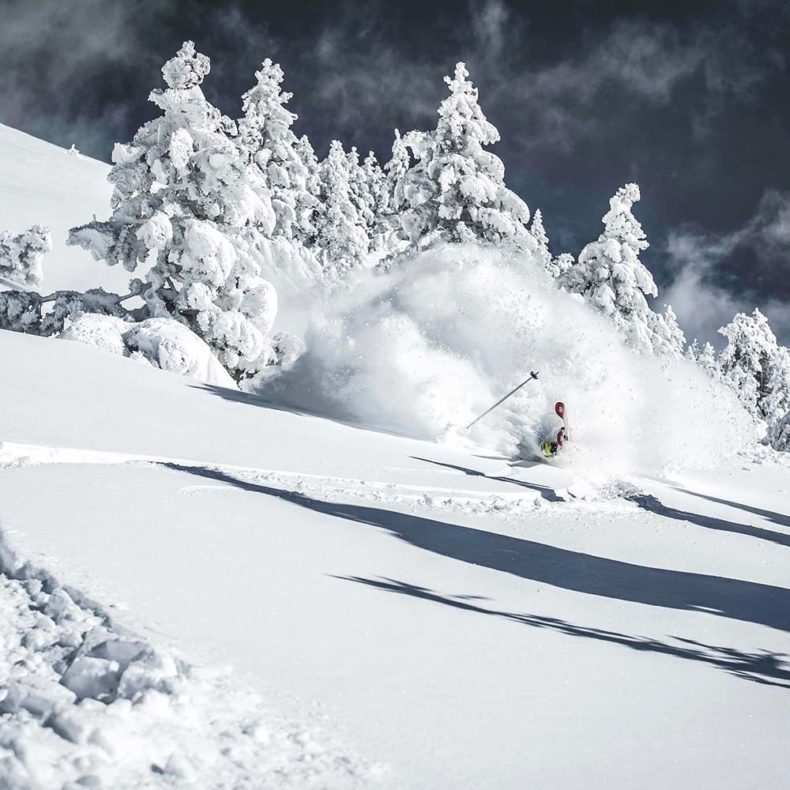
{"x":342,"y":237}
{"x":706,"y":357}
{"x":610,"y":275}
{"x":456,"y":191}
{"x":777,"y":400}
{"x":395,"y":171}
{"x":189,"y":210}
{"x":375,"y":198}
{"x":745,"y":362}
{"x":538,"y":232}
{"x":267,"y":140}
{"x":668,"y":338}
{"x":361,"y":191}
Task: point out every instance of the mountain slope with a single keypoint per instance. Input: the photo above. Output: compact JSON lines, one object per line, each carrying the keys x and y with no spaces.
{"x":458,"y":619}
{"x":455,"y":618}
{"x":42,"y":183}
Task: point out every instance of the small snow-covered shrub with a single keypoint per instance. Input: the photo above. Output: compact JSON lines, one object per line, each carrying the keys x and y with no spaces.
{"x":21,"y":256}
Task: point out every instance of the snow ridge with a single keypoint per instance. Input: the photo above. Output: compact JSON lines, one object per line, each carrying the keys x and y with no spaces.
{"x":84,"y":702}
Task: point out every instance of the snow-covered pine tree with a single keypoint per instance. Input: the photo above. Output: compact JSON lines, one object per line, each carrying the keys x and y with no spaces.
{"x":395,"y":179}
{"x":390,"y":234}
{"x":611,"y":277}
{"x":360,"y":191}
{"x":306,"y":153}
{"x":559,"y":265}
{"x":21,"y":255}
{"x":668,"y":338}
{"x":538,"y":233}
{"x":190,"y":211}
{"x":342,"y":237}
{"x":777,"y":400}
{"x":746,"y":360}
{"x":376,"y":199}
{"x":267,"y":140}
{"x":705,"y":357}
{"x":456,"y":191}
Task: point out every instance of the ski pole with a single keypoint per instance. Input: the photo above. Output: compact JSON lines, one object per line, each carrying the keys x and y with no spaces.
{"x":532,"y":375}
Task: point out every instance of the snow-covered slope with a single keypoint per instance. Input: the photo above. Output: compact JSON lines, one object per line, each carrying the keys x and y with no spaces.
{"x":42,"y":183}
{"x":463,"y":622}
{"x":200,"y":589}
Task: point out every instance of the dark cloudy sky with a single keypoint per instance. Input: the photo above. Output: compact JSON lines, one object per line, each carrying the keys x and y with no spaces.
{"x":689,"y":99}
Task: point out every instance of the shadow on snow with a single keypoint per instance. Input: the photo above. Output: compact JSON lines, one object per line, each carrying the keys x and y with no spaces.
{"x":758,"y":666}
{"x":547,"y":493}
{"x":571,"y":570}
{"x":652,"y":504}
{"x":776,"y":518}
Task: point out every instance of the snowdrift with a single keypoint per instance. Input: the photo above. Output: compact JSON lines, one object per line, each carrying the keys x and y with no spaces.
{"x":425,"y":348}
{"x":162,"y":342}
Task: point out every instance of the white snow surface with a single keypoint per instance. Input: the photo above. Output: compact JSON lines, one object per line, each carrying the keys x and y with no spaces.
{"x":461,"y":621}
{"x":88,"y":703}
{"x":43,"y":184}
{"x":200,"y":588}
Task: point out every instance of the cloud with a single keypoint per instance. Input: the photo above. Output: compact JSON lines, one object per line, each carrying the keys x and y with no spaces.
{"x":634,"y":65}
{"x":53,"y":54}
{"x":702,"y":262}
{"x":356,"y":76}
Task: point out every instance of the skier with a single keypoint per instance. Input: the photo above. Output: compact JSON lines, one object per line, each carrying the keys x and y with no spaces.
{"x":552,"y":446}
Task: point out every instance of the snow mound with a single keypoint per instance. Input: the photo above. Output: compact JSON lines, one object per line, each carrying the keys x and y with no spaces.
{"x":86,"y":703}
{"x":430,"y":345}
{"x":162,"y":342}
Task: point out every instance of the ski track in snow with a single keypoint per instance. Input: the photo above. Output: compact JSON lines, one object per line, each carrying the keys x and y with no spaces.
{"x":437,"y":498}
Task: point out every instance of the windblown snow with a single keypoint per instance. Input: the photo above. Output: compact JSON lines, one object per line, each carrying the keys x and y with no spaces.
{"x":427,"y":348}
